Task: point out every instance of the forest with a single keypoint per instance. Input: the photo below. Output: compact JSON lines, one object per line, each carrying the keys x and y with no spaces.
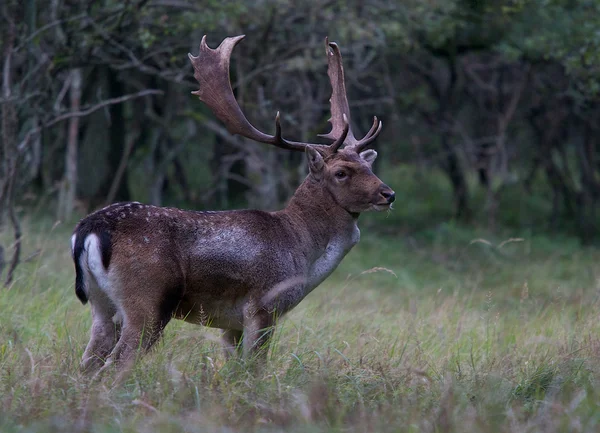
{"x":491,"y":139}
{"x":499,"y":97}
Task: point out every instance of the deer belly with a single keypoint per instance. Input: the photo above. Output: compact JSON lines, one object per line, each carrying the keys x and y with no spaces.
{"x":210,"y":312}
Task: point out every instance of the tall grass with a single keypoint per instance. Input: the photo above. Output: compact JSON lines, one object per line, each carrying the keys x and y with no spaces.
{"x":443,"y":329}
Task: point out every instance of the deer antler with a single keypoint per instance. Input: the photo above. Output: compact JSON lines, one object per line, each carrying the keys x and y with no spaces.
{"x":211,"y":70}
{"x":340,"y":111}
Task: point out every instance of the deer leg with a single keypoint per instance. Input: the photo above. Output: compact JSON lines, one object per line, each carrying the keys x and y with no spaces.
{"x":258,"y":329}
{"x":232,"y":339}
{"x":138,"y":335}
{"x":104,"y":335}
{"x":140,"y":330}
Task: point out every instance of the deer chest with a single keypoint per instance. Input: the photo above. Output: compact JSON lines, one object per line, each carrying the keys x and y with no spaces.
{"x":336,"y":250}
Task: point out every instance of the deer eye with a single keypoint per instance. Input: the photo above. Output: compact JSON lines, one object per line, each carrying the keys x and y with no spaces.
{"x":340,"y":174}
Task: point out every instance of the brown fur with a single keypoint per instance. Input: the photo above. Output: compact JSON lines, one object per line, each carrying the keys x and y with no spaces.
{"x":140,"y":265}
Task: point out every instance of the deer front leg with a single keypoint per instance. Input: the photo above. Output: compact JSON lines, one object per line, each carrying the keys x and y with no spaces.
{"x":258,"y":329}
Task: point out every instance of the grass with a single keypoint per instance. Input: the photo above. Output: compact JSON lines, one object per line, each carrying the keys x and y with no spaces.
{"x":442,"y":329}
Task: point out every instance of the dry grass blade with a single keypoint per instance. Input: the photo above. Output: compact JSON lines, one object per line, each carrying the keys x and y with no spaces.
{"x":143,"y":404}
{"x":378,"y":269}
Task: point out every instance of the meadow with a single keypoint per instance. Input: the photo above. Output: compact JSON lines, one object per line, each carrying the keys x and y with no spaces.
{"x":423,"y":328}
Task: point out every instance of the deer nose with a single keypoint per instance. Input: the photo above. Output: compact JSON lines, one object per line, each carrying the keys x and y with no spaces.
{"x":388,"y":194}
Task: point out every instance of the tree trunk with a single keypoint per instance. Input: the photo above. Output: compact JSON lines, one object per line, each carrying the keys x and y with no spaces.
{"x":122,"y":169}
{"x":116,"y":146}
{"x":457,"y":179}
{"x":68,"y":190}
{"x":9,"y":155}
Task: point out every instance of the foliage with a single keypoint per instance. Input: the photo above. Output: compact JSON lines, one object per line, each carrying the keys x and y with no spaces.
{"x":462,"y":85}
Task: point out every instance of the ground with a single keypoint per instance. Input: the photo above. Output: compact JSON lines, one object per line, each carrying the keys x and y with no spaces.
{"x":444,"y":329}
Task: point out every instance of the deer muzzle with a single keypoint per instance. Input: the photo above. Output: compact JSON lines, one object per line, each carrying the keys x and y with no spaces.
{"x":387,"y":193}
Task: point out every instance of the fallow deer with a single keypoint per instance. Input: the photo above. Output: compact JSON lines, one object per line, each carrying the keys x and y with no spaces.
{"x":140,"y":265}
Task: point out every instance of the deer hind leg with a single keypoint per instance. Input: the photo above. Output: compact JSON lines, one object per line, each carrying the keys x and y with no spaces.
{"x":140,"y":330}
{"x":143,"y":320}
{"x":104,"y":334}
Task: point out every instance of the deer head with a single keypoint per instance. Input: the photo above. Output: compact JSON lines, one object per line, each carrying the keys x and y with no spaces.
{"x":342,"y":168}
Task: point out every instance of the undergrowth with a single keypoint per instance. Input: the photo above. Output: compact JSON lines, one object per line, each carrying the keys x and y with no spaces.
{"x":441,"y":328}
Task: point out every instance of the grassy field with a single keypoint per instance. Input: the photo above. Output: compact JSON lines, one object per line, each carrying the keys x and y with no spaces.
{"x":440,"y":330}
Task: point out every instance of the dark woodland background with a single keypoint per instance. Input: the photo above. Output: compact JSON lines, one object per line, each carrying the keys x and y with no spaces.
{"x":491,"y":108}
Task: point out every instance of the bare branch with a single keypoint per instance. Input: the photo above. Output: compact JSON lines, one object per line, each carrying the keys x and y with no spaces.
{"x":7,"y":65}
{"x":178,"y":4}
{"x":63,"y":92}
{"x":21,"y":100}
{"x":222,"y":132}
{"x":505,"y":118}
{"x":102,"y":104}
{"x":47,"y":27}
{"x":122,"y":167}
{"x":83,"y":113}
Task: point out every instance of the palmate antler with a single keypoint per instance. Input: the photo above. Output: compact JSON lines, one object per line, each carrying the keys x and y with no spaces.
{"x":340,"y":111}
{"x":211,"y":70}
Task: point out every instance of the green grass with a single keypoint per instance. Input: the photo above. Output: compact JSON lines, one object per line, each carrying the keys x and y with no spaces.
{"x":440,"y":329}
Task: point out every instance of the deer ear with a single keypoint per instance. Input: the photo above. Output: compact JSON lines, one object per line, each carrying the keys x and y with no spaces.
{"x":315,"y":162}
{"x":369,"y":156}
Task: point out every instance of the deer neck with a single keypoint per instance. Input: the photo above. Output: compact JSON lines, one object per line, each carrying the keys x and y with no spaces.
{"x":314,"y":208}
{"x":327,"y":230}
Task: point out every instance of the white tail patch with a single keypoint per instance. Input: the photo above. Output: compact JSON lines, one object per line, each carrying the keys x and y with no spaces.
{"x":99,"y":285}
{"x":73,"y":239}
{"x":93,"y":262}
